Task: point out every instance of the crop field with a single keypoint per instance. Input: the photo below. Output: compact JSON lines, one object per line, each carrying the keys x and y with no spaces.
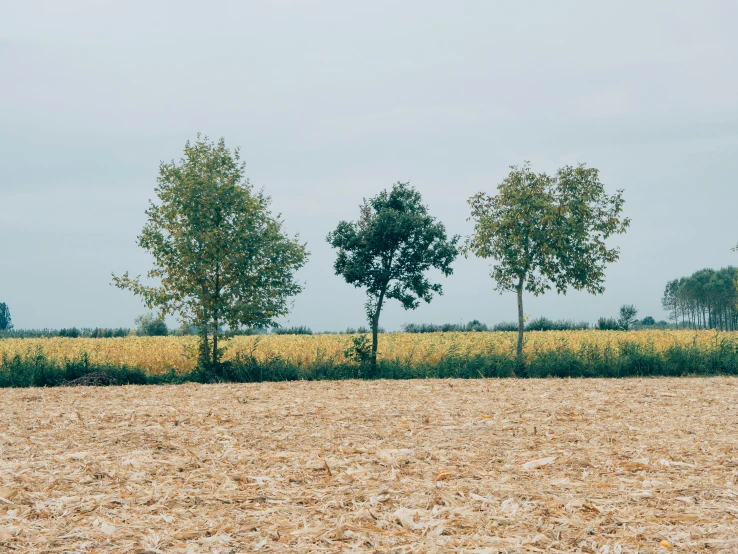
{"x":483,"y":466}
{"x":159,"y":354}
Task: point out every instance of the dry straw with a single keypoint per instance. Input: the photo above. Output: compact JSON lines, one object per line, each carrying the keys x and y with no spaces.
{"x":597,"y":466}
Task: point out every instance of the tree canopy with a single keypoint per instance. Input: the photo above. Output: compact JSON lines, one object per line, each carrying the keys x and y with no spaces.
{"x":220,"y":256}
{"x":389,"y":250}
{"x":149,"y":325}
{"x":707,"y":299}
{"x":628,"y":316}
{"x":546,"y":232}
{"x":6,"y":322}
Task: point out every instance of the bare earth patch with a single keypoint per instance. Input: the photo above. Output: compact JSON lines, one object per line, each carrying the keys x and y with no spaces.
{"x":600,"y":466}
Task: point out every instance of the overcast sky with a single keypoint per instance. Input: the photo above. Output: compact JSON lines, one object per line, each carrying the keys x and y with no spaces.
{"x":332,"y":101}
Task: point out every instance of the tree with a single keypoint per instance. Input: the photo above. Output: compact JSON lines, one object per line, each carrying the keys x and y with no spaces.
{"x":627,"y":318}
{"x":389,"y":249}
{"x":220,"y":256}
{"x":648,"y":321}
{"x":546,"y":231}
{"x":670,"y":300}
{"x":149,"y":325}
{"x":6,"y":323}
{"x":707,"y":299}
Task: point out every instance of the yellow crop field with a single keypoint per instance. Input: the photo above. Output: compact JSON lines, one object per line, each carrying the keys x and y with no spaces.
{"x":159,"y":354}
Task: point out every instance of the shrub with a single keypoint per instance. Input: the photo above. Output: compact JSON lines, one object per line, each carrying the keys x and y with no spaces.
{"x":608,"y":324}
{"x":301,"y":330}
{"x":148,"y":325}
{"x":473,"y":326}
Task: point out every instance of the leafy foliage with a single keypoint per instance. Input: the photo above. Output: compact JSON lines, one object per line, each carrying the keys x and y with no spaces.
{"x":389,"y":249}
{"x":220,"y":256}
{"x":298,"y":330}
{"x":149,"y":325}
{"x":546,"y":232}
{"x":6,"y":322}
{"x":72,"y":332}
{"x":628,"y":316}
{"x":360,"y":349}
{"x":544,"y":324}
{"x":608,"y":324}
{"x":473,"y":326}
{"x":707,"y":299}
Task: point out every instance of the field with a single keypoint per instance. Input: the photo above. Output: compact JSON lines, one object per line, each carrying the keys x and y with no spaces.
{"x":159,"y":354}
{"x":598,"y":466}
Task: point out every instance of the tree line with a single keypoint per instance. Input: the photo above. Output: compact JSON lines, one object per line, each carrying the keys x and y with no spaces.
{"x":707,"y":299}
{"x":222,"y":261}
{"x":221,"y":258}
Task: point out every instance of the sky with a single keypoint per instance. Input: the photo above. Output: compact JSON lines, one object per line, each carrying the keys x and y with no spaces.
{"x":333,"y":101}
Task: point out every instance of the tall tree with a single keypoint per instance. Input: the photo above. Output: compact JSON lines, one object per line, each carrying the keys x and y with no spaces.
{"x":670,"y":301}
{"x":707,"y":299}
{"x":6,"y":323}
{"x":389,"y":249}
{"x":220,"y":256}
{"x":546,"y":231}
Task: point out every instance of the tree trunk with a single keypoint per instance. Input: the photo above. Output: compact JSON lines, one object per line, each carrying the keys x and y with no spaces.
{"x":216,"y":305}
{"x":375,"y":329}
{"x":521,"y":326}
{"x":204,"y":347}
{"x":375,"y":341}
{"x":215,"y":344}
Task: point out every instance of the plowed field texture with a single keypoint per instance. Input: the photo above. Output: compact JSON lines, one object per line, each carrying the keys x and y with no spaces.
{"x":468,"y":466}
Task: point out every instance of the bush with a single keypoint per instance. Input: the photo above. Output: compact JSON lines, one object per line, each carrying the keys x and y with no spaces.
{"x":73,"y":332}
{"x":505,"y":326}
{"x":361,"y":330}
{"x":544,"y":324}
{"x":473,"y":326}
{"x":301,"y":330}
{"x":608,"y":324}
{"x":148,"y":325}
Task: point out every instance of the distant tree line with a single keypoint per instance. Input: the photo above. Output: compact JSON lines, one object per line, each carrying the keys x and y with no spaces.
{"x":473,"y":326}
{"x":68,"y":332}
{"x":708,"y":299}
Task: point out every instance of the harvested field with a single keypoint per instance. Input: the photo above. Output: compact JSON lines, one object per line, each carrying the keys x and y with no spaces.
{"x":599,"y":466}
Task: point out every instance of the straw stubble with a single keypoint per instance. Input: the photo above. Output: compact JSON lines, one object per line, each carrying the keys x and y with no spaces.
{"x":406,"y":466}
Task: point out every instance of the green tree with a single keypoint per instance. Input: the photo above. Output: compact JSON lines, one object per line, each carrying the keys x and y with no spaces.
{"x":546,"y":231}
{"x":389,"y":249}
{"x":670,"y":300}
{"x":628,"y":316}
{"x":6,"y":323}
{"x":648,"y":321}
{"x":220,"y":256}
{"x":150,"y":325}
{"x":707,"y":299}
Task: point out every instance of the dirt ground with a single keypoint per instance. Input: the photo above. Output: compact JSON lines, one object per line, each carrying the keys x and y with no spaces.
{"x":479,"y":466}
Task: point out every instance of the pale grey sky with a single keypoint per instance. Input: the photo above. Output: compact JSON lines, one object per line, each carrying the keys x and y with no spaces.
{"x":332,"y":101}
